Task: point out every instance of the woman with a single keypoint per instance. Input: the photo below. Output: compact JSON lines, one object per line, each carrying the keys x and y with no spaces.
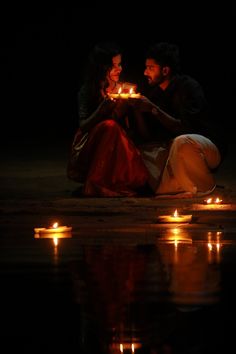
{"x":103,"y":157}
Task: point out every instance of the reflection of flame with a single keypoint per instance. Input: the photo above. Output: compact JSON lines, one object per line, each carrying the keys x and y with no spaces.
{"x":176,"y":236}
{"x":132,"y":347}
{"x":128,"y":346}
{"x":214,"y":244}
{"x":209,"y":245}
{"x":55,"y":241}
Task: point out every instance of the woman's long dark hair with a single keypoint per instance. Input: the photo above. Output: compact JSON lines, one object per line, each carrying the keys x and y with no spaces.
{"x":99,"y":62}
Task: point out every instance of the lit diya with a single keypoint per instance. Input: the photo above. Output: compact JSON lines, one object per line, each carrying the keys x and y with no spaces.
{"x":124,"y":95}
{"x":53,"y":231}
{"x":212,"y":203}
{"x":175,"y":218}
{"x":216,"y":200}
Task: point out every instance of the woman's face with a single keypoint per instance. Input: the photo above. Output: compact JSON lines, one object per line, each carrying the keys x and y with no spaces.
{"x":114,"y":72}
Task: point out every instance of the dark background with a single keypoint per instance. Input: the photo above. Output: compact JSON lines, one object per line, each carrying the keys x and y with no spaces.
{"x":44,"y":50}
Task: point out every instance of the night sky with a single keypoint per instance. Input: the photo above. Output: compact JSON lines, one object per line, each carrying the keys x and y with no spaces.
{"x":44,"y":50}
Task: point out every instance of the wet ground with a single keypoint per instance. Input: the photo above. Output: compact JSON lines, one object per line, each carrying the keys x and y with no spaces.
{"x":121,"y":280}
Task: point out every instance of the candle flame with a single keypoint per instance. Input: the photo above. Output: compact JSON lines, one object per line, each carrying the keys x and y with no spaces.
{"x":119,"y":91}
{"x":55,"y":225}
{"x":132,"y":347}
{"x":121,"y":347}
{"x":217,"y":200}
{"x":131,"y":90}
{"x":176,"y":213}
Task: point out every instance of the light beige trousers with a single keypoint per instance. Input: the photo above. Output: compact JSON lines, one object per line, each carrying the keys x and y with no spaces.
{"x":189,"y":166}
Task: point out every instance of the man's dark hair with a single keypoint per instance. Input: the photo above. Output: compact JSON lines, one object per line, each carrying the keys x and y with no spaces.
{"x":165,"y":54}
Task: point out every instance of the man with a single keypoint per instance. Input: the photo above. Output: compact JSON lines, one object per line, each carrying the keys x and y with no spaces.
{"x":176,"y":117}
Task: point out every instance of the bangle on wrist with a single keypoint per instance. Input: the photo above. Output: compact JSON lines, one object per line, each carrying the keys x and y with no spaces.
{"x":155,"y":111}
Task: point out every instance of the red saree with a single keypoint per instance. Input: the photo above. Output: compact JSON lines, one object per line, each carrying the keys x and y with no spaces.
{"x":107,"y":162}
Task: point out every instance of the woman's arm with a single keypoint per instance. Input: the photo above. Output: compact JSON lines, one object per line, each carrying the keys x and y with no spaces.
{"x":100,"y":113}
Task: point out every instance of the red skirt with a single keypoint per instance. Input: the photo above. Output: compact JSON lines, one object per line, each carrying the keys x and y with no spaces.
{"x":107,"y":162}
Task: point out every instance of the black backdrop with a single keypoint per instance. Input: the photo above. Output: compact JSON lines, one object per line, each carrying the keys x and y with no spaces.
{"x":44,"y":50}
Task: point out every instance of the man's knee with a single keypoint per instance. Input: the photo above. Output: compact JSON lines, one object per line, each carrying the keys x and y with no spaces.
{"x":183,"y":145}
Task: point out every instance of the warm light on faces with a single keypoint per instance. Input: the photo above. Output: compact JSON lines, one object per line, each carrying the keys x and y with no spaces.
{"x":154,"y":72}
{"x":114,"y":73}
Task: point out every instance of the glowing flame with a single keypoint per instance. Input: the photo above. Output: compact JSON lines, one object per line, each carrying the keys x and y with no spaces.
{"x":213,"y":201}
{"x":175,"y":214}
{"x":119,"y":91}
{"x":121,"y":348}
{"x":55,"y":225}
{"x":131,"y":90}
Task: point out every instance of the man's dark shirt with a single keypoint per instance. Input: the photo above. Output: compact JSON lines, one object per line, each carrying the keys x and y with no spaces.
{"x":184,"y":99}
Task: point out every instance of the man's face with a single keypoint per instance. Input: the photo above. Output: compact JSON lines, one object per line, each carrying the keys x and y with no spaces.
{"x":154,"y":72}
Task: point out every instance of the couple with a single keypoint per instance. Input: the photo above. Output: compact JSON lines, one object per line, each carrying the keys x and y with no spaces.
{"x":162,"y":143}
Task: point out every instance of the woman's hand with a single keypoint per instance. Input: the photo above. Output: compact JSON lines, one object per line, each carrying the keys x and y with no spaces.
{"x":121,"y":109}
{"x":106,"y":107}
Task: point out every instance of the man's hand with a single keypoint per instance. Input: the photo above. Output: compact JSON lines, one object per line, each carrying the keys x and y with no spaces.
{"x":142,"y":104}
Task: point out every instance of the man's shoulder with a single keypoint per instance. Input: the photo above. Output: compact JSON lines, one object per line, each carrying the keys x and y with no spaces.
{"x":186,"y":79}
{"x":186,"y":83}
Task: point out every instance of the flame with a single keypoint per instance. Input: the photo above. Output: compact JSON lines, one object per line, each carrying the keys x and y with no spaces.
{"x":119,"y":91}
{"x":55,"y":225}
{"x":131,"y":90}
{"x":217,"y":200}
{"x":176,"y":213}
{"x":121,"y":348}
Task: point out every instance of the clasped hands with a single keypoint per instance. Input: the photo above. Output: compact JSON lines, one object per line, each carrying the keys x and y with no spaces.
{"x":120,"y":107}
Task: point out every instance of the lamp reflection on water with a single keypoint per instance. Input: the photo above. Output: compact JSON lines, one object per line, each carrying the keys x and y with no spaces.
{"x":214,"y":246}
{"x":175,"y":236}
{"x":193,"y":277}
{"x":127,"y":347}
